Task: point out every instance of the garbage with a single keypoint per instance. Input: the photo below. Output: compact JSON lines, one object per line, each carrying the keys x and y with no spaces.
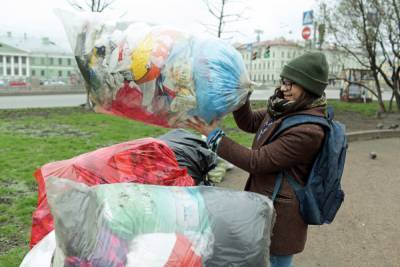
{"x":155,"y":74}
{"x":129,"y":224}
{"x":217,"y":174}
{"x":146,"y":160}
{"x":191,"y":152}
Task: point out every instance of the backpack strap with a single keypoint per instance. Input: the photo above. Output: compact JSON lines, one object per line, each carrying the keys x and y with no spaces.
{"x":297,"y":120}
{"x":277,"y":186}
{"x":278,"y":183}
{"x":293,"y":183}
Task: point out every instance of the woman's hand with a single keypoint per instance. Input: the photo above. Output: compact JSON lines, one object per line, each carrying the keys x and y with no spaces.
{"x":201,"y":126}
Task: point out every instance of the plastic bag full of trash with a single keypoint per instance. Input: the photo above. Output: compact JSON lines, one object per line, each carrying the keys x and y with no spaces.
{"x":155,"y":74}
{"x":130,"y":224}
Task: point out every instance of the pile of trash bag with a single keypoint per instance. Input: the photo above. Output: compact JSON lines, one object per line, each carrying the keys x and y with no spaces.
{"x":155,"y":74}
{"x":147,"y":161}
{"x":129,"y":224}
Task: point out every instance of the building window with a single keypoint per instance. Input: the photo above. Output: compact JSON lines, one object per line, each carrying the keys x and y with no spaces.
{"x":69,"y":73}
{"x":60,"y":73}
{"x":51,"y":61}
{"x":272,"y":77}
{"x":60,"y":61}
{"x":23,"y":60}
{"x":24,"y":71}
{"x":288,"y":54}
{"x":268,"y":64}
{"x":16,"y":71}
{"x":42,"y":61}
{"x":1,"y":59}
{"x":69,"y":62}
{"x":267,"y":77}
{"x":33,"y":72}
{"x":8,"y":59}
{"x":42,"y":73}
{"x":1,"y":70}
{"x":8,"y":71}
{"x":16,"y":59}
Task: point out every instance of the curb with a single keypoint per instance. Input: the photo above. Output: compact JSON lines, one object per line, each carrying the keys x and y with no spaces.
{"x":373,"y":134}
{"x":29,"y":93}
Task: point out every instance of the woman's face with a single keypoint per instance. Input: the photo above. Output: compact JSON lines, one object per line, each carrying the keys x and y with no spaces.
{"x":290,"y":90}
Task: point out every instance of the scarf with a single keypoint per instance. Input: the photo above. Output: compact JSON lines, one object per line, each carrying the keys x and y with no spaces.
{"x":277,"y":106}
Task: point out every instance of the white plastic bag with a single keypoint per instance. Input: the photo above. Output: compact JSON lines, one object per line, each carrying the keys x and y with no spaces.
{"x":42,"y":253}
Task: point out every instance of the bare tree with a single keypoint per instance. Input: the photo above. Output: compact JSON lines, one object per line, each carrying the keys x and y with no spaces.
{"x":93,"y":6}
{"x":367,"y":31}
{"x":389,"y":42}
{"x":220,"y":10}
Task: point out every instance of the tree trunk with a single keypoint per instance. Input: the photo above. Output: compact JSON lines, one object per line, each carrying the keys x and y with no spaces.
{"x":390,"y":109}
{"x":396,"y":94}
{"x":379,"y":92}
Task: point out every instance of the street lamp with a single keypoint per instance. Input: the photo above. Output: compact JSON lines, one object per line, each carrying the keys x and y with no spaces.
{"x":258,"y":32}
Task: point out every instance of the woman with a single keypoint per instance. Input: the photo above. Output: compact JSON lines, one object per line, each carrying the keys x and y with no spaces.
{"x":303,"y":82}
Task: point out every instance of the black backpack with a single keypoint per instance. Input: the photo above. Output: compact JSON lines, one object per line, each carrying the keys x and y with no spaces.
{"x":322,"y":196}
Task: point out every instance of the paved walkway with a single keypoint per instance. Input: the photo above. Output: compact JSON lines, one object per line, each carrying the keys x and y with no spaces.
{"x":366,"y":231}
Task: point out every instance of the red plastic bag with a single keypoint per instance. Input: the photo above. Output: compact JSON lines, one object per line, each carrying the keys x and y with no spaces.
{"x":146,"y":161}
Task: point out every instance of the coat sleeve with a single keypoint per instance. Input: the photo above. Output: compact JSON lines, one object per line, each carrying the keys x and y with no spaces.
{"x":297,"y":145}
{"x":248,"y":120}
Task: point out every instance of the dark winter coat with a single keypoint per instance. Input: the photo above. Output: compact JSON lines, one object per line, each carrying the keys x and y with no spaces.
{"x":294,"y":150}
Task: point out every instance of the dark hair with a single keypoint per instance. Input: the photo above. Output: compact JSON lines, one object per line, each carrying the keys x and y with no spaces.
{"x":305,"y":100}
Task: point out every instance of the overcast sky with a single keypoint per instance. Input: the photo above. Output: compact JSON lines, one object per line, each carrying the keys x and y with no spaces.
{"x":275,"y":17}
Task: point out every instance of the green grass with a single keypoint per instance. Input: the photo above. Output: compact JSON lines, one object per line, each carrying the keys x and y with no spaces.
{"x":366,"y":109}
{"x":30,"y":138}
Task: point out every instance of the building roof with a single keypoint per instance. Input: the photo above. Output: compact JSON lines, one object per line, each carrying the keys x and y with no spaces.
{"x":33,"y":45}
{"x":276,"y":42}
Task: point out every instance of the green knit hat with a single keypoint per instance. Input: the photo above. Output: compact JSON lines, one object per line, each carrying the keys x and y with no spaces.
{"x":310,"y":71}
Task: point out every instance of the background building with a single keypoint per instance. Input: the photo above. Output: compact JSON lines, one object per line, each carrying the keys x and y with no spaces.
{"x":35,"y":60}
{"x":265,"y":60}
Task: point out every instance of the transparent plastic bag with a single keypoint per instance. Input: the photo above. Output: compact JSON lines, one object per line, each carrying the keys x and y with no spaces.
{"x":146,"y":160}
{"x":148,"y":225}
{"x":158,"y":75}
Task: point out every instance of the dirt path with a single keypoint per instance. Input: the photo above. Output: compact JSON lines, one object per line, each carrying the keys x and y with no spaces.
{"x":366,"y":231}
{"x":356,"y":122}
